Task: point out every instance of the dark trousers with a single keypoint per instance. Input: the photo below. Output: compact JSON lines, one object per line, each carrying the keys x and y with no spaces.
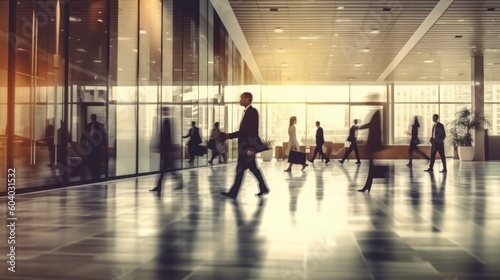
{"x":247,"y":162}
{"x":94,"y":162}
{"x":414,"y":148}
{"x":437,"y":148}
{"x":371,"y":174}
{"x":165,"y":167}
{"x":192,"y":152}
{"x":352,"y":147}
{"x":319,"y":149}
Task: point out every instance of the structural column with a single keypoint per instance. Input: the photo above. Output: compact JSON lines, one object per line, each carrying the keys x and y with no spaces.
{"x":477,"y":78}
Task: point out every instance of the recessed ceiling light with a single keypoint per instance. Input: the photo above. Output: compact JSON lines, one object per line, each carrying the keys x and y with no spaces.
{"x":489,"y":63}
{"x":446,"y":69}
{"x":405,"y":73}
{"x":365,"y":50}
{"x":310,"y":44}
{"x":278,"y":30}
{"x":441,"y":77}
{"x":100,"y":20}
{"x":210,"y":62}
{"x":335,"y":34}
{"x":135,"y":50}
{"x":375,"y":31}
{"x":331,"y":54}
{"x":120,"y":69}
{"x":75,"y":19}
{"x":21,"y":49}
{"x":284,"y":64}
{"x":340,"y":8}
{"x":81,"y":50}
{"x":368,"y":73}
{"x":308,"y":37}
{"x":263,"y":46}
{"x":423,"y":77}
{"x":460,"y":20}
{"x":281,"y":50}
{"x":428,"y":61}
{"x":142,"y":31}
{"x":358,"y":65}
{"x":97,"y":60}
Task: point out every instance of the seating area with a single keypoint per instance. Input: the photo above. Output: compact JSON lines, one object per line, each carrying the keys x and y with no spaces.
{"x":337,"y":150}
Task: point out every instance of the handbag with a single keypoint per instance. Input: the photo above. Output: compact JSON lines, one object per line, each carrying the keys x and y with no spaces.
{"x":297,"y":157}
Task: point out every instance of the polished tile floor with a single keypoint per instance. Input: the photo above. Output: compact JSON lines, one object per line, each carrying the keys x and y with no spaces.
{"x":313,"y":225}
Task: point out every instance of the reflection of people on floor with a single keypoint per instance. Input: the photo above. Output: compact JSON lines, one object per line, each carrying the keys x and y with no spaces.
{"x":352,"y":181}
{"x":319,"y":188}
{"x":63,"y":144}
{"x":295,"y":185}
{"x":166,"y":150}
{"x":93,"y":139}
{"x":438,"y":200}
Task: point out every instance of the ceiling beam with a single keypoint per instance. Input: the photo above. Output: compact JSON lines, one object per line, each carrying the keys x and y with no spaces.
{"x":426,"y":25}
{"x":226,"y":14}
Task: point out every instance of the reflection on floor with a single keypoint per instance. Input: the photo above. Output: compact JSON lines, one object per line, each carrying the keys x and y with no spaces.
{"x":313,"y":225}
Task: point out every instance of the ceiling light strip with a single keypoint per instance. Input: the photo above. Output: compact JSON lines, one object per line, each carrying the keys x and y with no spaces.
{"x":426,"y":25}
{"x":226,"y":14}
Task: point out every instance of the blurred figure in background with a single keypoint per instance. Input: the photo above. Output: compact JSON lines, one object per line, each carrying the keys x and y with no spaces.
{"x":415,"y":141}
{"x":216,"y":144}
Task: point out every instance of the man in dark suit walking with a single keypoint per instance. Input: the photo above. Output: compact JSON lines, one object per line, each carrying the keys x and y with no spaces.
{"x":320,"y":140}
{"x":94,"y":139}
{"x":354,"y":145}
{"x":437,"y":141}
{"x":249,"y":143}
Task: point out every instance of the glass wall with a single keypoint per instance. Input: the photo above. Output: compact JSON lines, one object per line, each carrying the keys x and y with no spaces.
{"x":4,"y":44}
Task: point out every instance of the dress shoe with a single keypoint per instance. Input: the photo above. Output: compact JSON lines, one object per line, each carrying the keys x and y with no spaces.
{"x":261,"y":194}
{"x":311,"y":161}
{"x":287,"y":170}
{"x":210,"y":162}
{"x":444,"y":170}
{"x":429,"y":170}
{"x":409,"y":165}
{"x":365,"y":189}
{"x":327,"y":161}
{"x":358,"y":162}
{"x":341,"y":161}
{"x":157,"y":189}
{"x":226,"y":194}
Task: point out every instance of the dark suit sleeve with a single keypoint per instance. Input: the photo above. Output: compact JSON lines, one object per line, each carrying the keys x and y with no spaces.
{"x":320,"y":136}
{"x":440,"y":133}
{"x":233,"y":135}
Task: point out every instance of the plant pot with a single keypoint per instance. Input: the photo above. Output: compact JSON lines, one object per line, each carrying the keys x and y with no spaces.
{"x":466,"y":152}
{"x":267,"y":155}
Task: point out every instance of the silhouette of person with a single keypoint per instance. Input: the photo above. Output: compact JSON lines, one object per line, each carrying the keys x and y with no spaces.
{"x":373,"y":145}
{"x":437,"y":141}
{"x":414,"y":141}
{"x":166,"y":150}
{"x":218,"y":148}
{"x":63,"y":143}
{"x":94,"y":139}
{"x":49,"y":140}
{"x":193,"y":142}
{"x":249,"y":143}
{"x":354,"y":145}
{"x":320,"y":140}
{"x":293,"y":144}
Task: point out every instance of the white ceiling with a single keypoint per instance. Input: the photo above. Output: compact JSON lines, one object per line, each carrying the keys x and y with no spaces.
{"x":327,"y":41}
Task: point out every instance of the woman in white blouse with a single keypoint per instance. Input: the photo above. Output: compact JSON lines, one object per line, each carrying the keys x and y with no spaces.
{"x":293,"y":144}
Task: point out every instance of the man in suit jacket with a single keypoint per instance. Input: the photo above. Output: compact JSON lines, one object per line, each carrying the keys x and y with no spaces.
{"x":320,"y":140}
{"x":354,"y":145}
{"x":437,"y":141}
{"x":249,"y":144}
{"x":94,"y":139}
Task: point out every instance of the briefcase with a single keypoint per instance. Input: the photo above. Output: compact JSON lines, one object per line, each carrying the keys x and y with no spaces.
{"x":297,"y":157}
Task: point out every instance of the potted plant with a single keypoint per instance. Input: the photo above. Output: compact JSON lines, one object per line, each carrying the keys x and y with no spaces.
{"x":461,"y":129}
{"x":267,"y":154}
